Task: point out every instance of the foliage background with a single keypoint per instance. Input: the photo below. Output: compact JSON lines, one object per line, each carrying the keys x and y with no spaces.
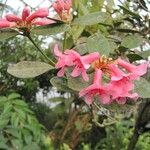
{"x":60,"y":117}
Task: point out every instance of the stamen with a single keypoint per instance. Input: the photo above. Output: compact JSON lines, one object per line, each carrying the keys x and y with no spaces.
{"x":103,"y":63}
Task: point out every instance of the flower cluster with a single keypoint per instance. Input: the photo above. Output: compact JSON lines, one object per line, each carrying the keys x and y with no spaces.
{"x":39,"y":17}
{"x":63,"y":9}
{"x":27,"y":19}
{"x":113,"y":80}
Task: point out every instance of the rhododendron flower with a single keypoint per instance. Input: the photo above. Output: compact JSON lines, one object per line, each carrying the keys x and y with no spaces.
{"x":81,"y":63}
{"x":120,"y":85}
{"x":72,"y":58}
{"x":135,"y":71}
{"x":122,"y":89}
{"x":63,"y":9}
{"x":27,"y":19}
{"x":63,"y":61}
{"x":96,"y":89}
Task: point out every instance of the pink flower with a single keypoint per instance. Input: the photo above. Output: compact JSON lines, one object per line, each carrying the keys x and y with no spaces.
{"x":118,"y":81}
{"x":63,"y":61}
{"x":27,"y":19}
{"x":81,"y":63}
{"x":4,"y":23}
{"x":72,"y":58}
{"x":62,"y":7}
{"x":122,"y":89}
{"x":135,"y":71}
{"x":96,"y":89}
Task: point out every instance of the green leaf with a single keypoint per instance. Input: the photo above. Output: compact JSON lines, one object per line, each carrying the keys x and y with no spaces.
{"x":145,"y":54}
{"x":60,"y":84}
{"x":27,"y":136}
{"x":32,"y":146}
{"x":14,"y":119}
{"x":98,"y":43}
{"x":13,"y":96}
{"x":7,"y":33}
{"x":21,"y":113}
{"x":142,"y":87}
{"x":76,"y":83}
{"x":50,"y":29}
{"x":76,"y":32}
{"x":134,"y":57}
{"x":7,"y":108}
{"x":91,"y":19}
{"x":3,"y":122}
{"x":14,"y":132}
{"x":28,"y":69}
{"x":132,"y":41}
{"x":3,"y":146}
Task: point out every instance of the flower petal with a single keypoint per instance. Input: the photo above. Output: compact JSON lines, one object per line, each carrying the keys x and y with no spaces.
{"x":105,"y":98}
{"x":97,"y":77}
{"x":76,"y":72}
{"x":88,"y":99}
{"x":12,"y":18}
{"x":44,"y":21}
{"x":4,"y":23}
{"x":57,"y":52}
{"x":25,"y":13}
{"x":61,"y":72}
{"x":90,"y":57}
{"x":40,"y":13}
{"x":84,"y":75}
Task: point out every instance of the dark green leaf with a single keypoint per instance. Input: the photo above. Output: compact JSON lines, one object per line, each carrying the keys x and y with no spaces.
{"x":28,"y":69}
{"x":130,"y":12}
{"x":134,"y":57}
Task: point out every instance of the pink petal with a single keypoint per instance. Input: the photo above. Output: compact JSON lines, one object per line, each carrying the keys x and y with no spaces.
{"x":44,"y":21}
{"x":12,"y":18}
{"x":116,"y":73}
{"x":88,"y":99}
{"x":76,"y":72}
{"x":68,"y":4}
{"x":105,"y":98}
{"x":121,"y":100}
{"x":126,"y":65}
{"x":25,"y":13}
{"x":141,"y":69}
{"x":55,"y":6}
{"x":61,"y":72}
{"x":57,"y":52}
{"x":84,"y":75}
{"x":90,"y":57}
{"x":97,"y":77}
{"x":40,"y":13}
{"x":4,"y":23}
